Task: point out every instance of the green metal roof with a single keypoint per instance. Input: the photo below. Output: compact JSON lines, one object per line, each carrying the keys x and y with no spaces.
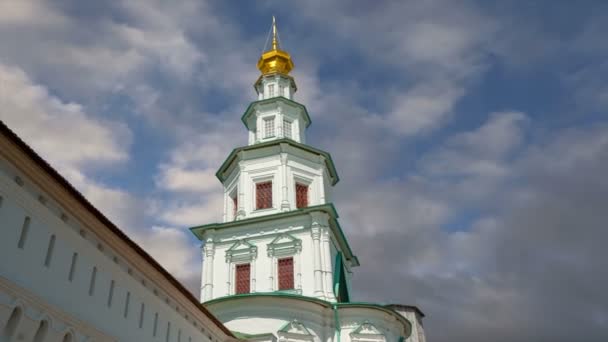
{"x":220,"y":174}
{"x":249,"y":109}
{"x":328,"y":208}
{"x":322,"y":302}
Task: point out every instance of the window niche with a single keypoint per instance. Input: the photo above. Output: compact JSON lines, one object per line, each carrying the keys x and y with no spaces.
{"x":263,"y":195}
{"x":302,"y":191}
{"x":240,"y":258}
{"x":233,"y":202}
{"x":367,"y":332}
{"x":285,"y":254}
{"x":295,"y":331}
{"x":287,"y":129}
{"x":269,"y":127}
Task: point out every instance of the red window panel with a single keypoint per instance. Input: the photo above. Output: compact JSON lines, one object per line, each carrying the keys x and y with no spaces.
{"x":286,"y":274}
{"x":243,"y":272}
{"x":263,"y":195}
{"x":301,"y":195}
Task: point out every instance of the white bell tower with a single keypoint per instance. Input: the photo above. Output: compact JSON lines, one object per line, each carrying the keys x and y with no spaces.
{"x":278,"y":267}
{"x":279,"y":227}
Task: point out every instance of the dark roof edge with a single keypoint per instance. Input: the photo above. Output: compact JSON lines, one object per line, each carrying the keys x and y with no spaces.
{"x":274,"y":99}
{"x":328,"y":160}
{"x":328,"y":208}
{"x":12,"y":136}
{"x":411,"y":307}
{"x":308,"y":299}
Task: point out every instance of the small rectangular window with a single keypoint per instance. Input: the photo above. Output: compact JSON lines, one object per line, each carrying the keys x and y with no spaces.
{"x":111,"y":293}
{"x":154,"y":328}
{"x":242,"y":278}
{"x":24,"y":230}
{"x":141,"y":315}
{"x":271,"y":90}
{"x":286,"y":274}
{"x":287,"y":129}
{"x":126,"y":313}
{"x":269,"y":128}
{"x":49,"y":251}
{"x":263,"y":195}
{"x":73,"y":266}
{"x":282,"y":90}
{"x":92,"y":283}
{"x":301,"y":195}
{"x":168,"y":335}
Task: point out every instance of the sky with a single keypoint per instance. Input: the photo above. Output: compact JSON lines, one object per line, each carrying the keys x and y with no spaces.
{"x":471,"y":138}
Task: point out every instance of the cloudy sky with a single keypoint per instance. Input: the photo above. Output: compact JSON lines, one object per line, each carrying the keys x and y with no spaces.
{"x":471,"y":138}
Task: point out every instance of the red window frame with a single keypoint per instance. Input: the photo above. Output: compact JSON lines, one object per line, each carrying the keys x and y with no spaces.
{"x":285,"y":273}
{"x":301,"y":195}
{"x":242,"y":278}
{"x":263,"y":195}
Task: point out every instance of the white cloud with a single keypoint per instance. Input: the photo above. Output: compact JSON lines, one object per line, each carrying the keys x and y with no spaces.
{"x":480,"y":152}
{"x":184,"y":180}
{"x":423,"y":108}
{"x":28,"y":13}
{"x":189,"y":213}
{"x":61,"y":131}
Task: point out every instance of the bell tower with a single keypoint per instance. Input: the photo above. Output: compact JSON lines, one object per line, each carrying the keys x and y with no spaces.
{"x":280,"y":231}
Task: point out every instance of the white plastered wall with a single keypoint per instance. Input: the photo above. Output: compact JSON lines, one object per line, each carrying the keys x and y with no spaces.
{"x":33,"y":267}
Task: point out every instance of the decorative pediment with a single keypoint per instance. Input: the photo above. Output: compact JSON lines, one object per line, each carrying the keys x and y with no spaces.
{"x":294,"y":331}
{"x":283,"y":245}
{"x":242,"y":250}
{"x":367,"y":332}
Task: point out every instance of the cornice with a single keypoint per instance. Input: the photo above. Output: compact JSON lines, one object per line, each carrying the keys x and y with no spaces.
{"x":283,"y":99}
{"x":329,"y":209}
{"x":238,"y":152}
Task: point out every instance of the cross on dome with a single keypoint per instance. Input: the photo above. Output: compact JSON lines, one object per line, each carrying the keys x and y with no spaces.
{"x":275,"y":60}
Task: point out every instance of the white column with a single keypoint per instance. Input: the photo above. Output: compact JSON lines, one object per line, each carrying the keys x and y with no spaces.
{"x":253,"y":268}
{"x":327,"y":270}
{"x":203,"y":274}
{"x":299,"y":271}
{"x":240,"y":214}
{"x":315,"y":231}
{"x":273,"y":267}
{"x":285,"y":183}
{"x":229,"y":280}
{"x":209,"y":250}
{"x":225,"y":215}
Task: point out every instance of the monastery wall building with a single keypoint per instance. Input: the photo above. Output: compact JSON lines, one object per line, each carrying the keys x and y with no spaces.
{"x":277,"y":268}
{"x":67,"y":274}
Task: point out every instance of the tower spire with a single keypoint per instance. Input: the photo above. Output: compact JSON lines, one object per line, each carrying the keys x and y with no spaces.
{"x":275,"y":41}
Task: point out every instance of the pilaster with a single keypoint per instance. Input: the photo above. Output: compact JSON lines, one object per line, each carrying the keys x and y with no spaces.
{"x":327,"y":269}
{"x":208,"y":255}
{"x":318,"y":224}
{"x":284,"y":186}
{"x":240,"y":214}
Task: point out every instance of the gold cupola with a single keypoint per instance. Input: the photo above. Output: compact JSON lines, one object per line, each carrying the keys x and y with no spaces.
{"x":275,"y":60}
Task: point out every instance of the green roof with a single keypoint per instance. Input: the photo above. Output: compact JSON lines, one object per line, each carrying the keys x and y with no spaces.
{"x":220,"y":174}
{"x":249,"y":109}
{"x":322,"y":302}
{"x":244,"y":336}
{"x":328,"y":208}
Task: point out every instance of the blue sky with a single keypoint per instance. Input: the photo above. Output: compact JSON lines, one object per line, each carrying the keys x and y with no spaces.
{"x":471,"y":138}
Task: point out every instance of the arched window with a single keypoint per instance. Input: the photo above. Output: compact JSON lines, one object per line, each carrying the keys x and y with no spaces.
{"x":43,"y":328}
{"x":13,"y":322}
{"x":68,"y":337}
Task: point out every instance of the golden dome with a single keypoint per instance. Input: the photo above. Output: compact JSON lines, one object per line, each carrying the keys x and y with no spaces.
{"x":275,"y":60}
